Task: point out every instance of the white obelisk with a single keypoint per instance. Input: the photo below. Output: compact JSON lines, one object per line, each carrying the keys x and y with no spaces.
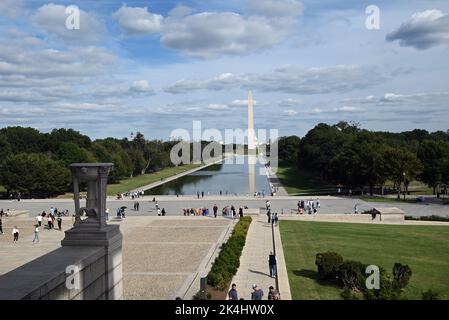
{"x":251,"y":134}
{"x":251,"y":145}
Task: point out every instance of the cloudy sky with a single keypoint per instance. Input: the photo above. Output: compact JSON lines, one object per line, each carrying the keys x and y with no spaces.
{"x":155,"y":66}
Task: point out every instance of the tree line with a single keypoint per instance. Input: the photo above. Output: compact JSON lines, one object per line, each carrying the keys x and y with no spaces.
{"x":346,"y":155}
{"x":36,"y":164}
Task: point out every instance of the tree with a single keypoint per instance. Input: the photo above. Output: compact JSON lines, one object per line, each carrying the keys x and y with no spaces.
{"x":433,"y":155}
{"x":30,"y":173}
{"x":24,"y":139}
{"x":70,"y":152}
{"x":288,"y":149}
{"x":402,"y":166}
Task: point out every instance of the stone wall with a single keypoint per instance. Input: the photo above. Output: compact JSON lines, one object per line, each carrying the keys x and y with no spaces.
{"x":45,"y":277}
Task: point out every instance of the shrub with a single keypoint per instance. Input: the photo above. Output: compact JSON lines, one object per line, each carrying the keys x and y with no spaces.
{"x":430,"y":295}
{"x":328,"y":264}
{"x":401,"y":276}
{"x":351,"y":275}
{"x":386,"y":291}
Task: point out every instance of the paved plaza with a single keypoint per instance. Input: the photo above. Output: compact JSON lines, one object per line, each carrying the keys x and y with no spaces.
{"x":163,"y":257}
{"x":282,"y":204}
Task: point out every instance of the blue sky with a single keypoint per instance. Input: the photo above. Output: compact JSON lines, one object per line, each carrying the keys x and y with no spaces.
{"x":155,"y":66}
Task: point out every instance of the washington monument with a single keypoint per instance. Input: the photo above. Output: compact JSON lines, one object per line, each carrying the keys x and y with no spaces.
{"x":251,"y":144}
{"x":251,"y":141}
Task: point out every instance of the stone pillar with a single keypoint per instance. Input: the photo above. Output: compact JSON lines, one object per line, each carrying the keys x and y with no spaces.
{"x":90,"y":227}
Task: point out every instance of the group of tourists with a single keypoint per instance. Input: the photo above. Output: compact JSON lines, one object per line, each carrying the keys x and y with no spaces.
{"x":133,"y":195}
{"x":311,"y":206}
{"x":227,"y":211}
{"x":50,"y":218}
{"x":256,"y":293}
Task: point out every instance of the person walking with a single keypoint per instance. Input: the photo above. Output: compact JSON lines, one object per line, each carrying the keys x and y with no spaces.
{"x":268,"y":205}
{"x":36,"y":233}
{"x":215,"y":208}
{"x":138,"y":205}
{"x":241,"y":212}
{"x":49,"y":222}
{"x":163,"y":212}
{"x":257,"y":293}
{"x":59,"y":222}
{"x":272,"y":264}
{"x":232,"y":294}
{"x":106,"y":213}
{"x":39,"y":220}
{"x":271,"y":293}
{"x":1,"y":226}
{"x":269,"y":216}
{"x":15,"y":234}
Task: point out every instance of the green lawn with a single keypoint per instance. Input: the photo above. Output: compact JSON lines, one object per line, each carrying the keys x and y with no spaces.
{"x":296,"y":182}
{"x":2,"y":189}
{"x":142,"y":180}
{"x":423,"y":248}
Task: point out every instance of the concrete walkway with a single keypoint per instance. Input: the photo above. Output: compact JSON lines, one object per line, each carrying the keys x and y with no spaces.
{"x":254,"y":261}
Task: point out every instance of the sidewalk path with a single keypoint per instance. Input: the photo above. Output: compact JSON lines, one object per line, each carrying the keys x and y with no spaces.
{"x":254,"y":261}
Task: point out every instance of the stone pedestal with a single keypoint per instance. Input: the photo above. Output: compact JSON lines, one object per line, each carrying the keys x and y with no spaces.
{"x":91,"y":229}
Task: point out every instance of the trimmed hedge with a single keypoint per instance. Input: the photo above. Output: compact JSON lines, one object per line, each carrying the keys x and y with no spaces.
{"x":428,"y":218}
{"x":228,"y":261}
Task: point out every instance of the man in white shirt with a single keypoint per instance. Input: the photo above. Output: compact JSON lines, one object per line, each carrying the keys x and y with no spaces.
{"x":39,"y":220}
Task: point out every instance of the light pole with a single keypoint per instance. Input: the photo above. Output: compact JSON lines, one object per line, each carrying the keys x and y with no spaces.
{"x":403,"y":175}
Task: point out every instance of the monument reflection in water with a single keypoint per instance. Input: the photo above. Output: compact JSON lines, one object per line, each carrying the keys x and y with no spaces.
{"x":229,"y":178}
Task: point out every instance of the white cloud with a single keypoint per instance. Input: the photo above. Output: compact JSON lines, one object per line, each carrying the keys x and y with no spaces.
{"x":348,"y":109}
{"x":289,"y":79}
{"x":214,"y":106}
{"x":138,"y":20}
{"x":290,"y":112}
{"x":211,"y":34}
{"x":180,"y":11}
{"x":52,"y":18}
{"x":141,"y":86}
{"x":423,"y":30}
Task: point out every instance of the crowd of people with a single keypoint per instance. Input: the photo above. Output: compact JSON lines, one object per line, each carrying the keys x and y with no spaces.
{"x":54,"y":217}
{"x":309,"y":206}
{"x":227,"y":211}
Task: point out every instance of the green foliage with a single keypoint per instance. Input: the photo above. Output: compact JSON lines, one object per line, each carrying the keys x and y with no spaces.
{"x":288,"y":149}
{"x":70,"y":152}
{"x":34,"y":173}
{"x":228,"y":261}
{"x":328,"y":264}
{"x":433,"y":155}
{"x":351,"y":275}
{"x":430,"y":295}
{"x":345,"y":154}
{"x":401,"y":276}
{"x":428,"y":218}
